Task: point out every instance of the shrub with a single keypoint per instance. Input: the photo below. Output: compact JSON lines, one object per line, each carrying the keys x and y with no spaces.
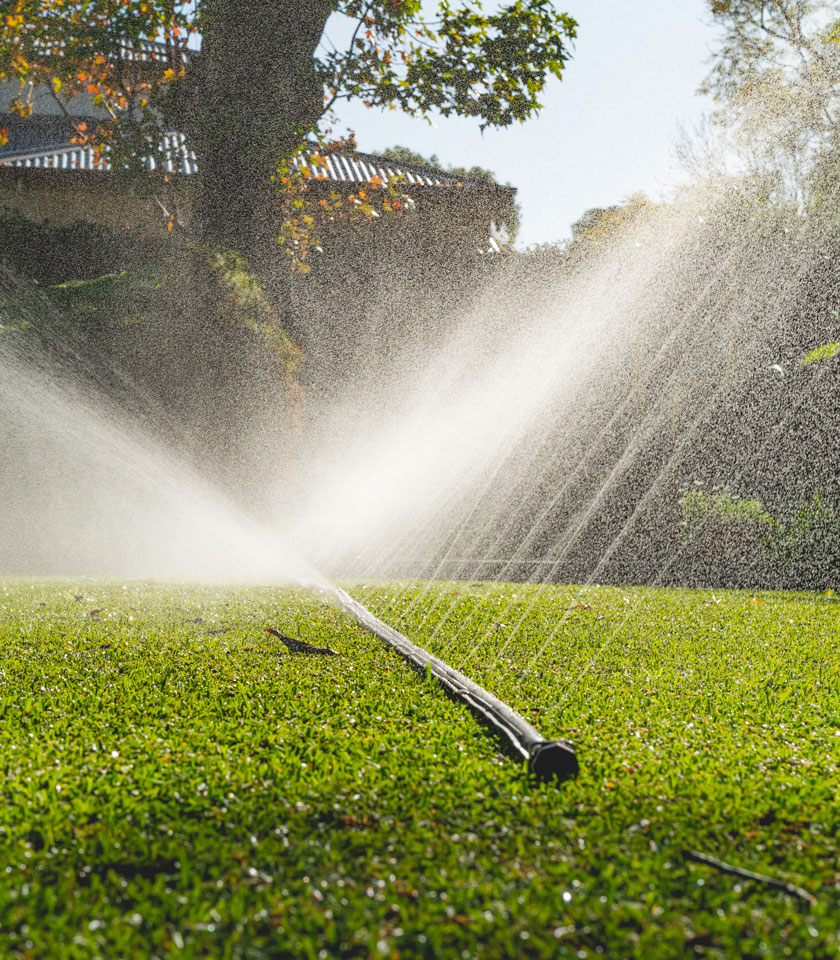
{"x":806,"y":547}
{"x":722,"y":523}
{"x":801,"y":550}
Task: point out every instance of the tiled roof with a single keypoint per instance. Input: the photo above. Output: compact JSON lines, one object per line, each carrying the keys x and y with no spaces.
{"x":131,"y":51}
{"x":362,"y":167}
{"x":149,"y":51}
{"x":175,"y":157}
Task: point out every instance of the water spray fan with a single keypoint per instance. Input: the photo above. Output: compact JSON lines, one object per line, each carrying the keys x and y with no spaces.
{"x":547,"y":759}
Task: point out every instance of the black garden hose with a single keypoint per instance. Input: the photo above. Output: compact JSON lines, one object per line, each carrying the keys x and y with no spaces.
{"x":547,"y":759}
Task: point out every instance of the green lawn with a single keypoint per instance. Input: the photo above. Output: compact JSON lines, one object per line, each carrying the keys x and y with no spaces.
{"x":171,"y":790}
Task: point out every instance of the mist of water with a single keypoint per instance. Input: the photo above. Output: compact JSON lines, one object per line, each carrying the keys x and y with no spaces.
{"x":543,"y":433}
{"x":551,"y":432}
{"x":530,"y":420}
{"x":88,"y":492}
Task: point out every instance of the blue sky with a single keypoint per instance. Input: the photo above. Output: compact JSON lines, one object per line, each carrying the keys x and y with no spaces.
{"x":606,"y":131}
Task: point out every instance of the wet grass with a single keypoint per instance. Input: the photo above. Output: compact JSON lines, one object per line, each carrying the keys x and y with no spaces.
{"x":176,"y":784}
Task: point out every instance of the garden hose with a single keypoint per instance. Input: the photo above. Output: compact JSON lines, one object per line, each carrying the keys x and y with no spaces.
{"x":547,"y":759}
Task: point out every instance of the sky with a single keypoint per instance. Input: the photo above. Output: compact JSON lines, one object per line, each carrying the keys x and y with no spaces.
{"x":607,"y":129}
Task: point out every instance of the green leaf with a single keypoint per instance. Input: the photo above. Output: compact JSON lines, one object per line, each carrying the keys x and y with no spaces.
{"x":825,"y":352}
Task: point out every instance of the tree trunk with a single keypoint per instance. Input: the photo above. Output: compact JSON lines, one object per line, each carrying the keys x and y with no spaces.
{"x":255,"y":97}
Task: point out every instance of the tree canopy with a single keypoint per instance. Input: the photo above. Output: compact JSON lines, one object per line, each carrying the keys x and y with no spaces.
{"x":785,"y":39}
{"x":247,"y":81}
{"x":776,"y":76}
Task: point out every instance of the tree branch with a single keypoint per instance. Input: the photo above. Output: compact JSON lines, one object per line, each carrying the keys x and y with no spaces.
{"x":343,"y":73}
{"x":62,"y":107}
{"x":695,"y":856}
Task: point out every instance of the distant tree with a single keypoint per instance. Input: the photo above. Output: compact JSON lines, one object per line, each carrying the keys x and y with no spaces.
{"x":771,"y":38}
{"x":511,"y":212}
{"x":602,"y":224}
{"x":776,"y":77}
{"x":267,"y":75}
{"x":591,"y":220}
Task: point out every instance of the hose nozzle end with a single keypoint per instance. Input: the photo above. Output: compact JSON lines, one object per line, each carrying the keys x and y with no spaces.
{"x":553,"y":760}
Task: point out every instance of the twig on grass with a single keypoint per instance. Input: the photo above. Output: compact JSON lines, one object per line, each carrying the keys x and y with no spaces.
{"x":300,"y":646}
{"x":695,"y":856}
